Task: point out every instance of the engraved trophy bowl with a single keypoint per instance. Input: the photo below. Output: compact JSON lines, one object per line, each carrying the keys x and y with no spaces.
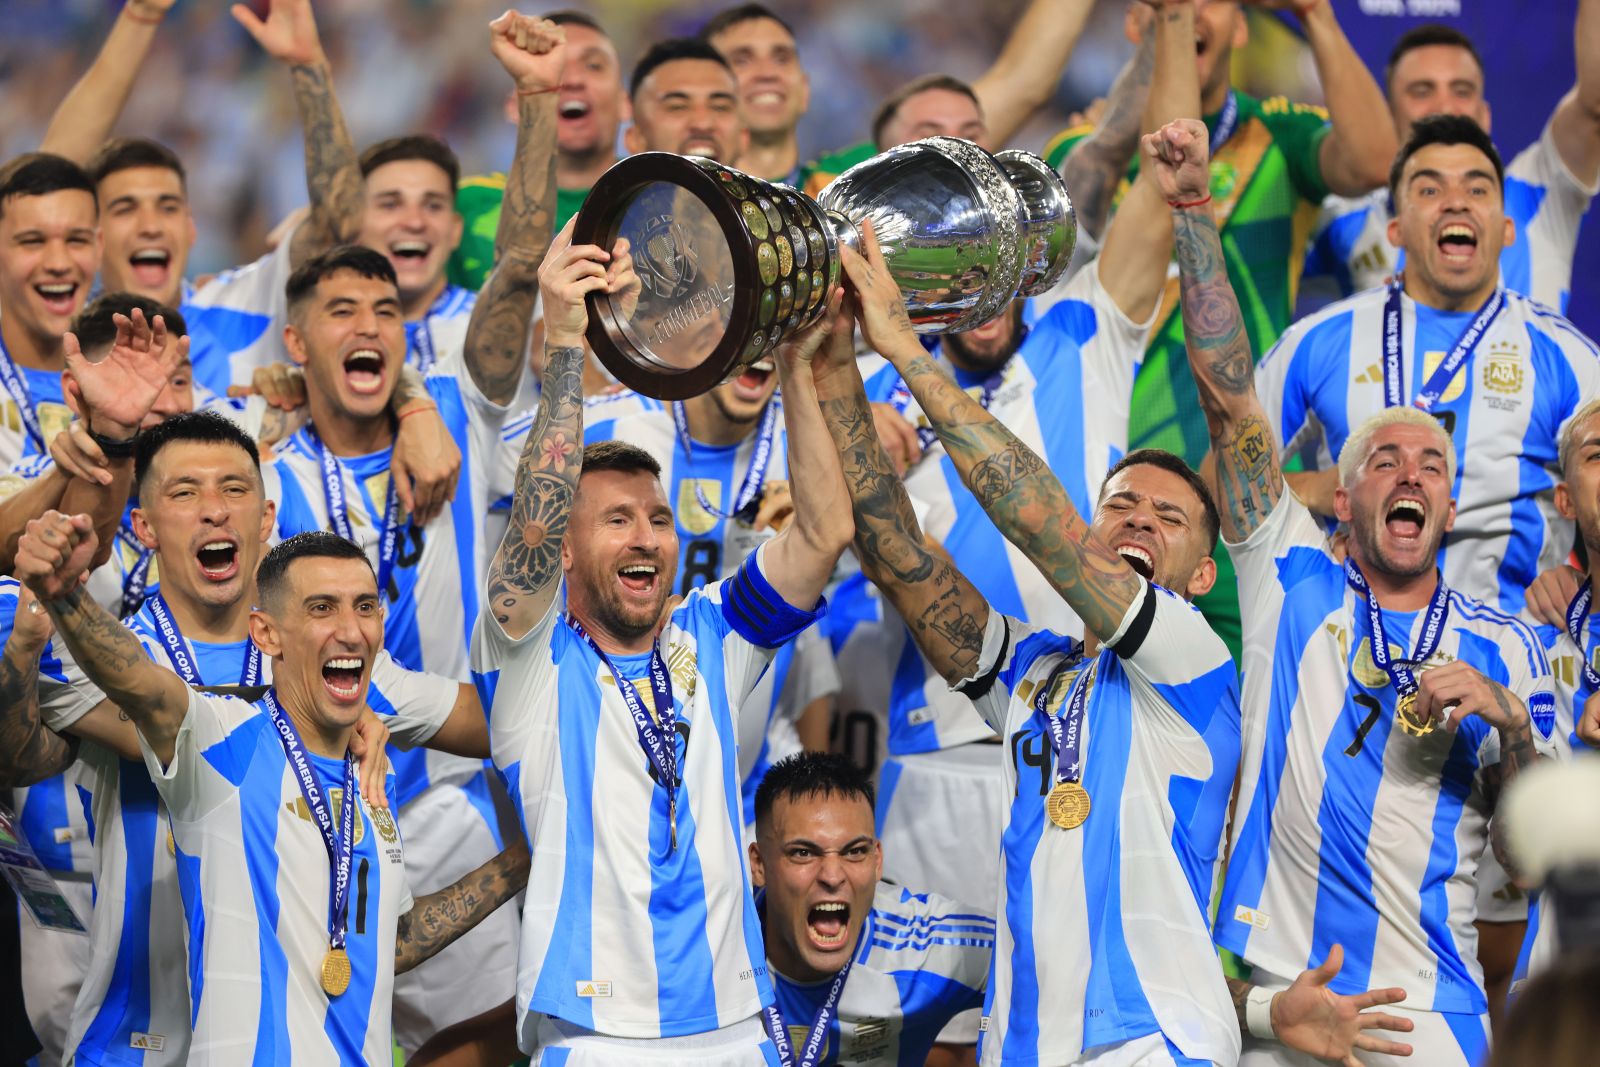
{"x":730,"y":266}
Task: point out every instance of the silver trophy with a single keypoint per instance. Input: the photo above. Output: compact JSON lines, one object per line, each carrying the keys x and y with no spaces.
{"x":730,"y":265}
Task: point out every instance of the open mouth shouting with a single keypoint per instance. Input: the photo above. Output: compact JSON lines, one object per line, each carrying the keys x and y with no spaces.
{"x":572,"y":109}
{"x":364,"y":371}
{"x":1458,"y":243}
{"x":150,"y":266}
{"x":1140,"y":559}
{"x":700,"y":146}
{"x":341,"y":676}
{"x":60,"y":298}
{"x":828,"y":925}
{"x":410,"y":253}
{"x":218,"y":559}
{"x":1405,"y":518}
{"x":639,"y":578}
{"x":751,"y":383}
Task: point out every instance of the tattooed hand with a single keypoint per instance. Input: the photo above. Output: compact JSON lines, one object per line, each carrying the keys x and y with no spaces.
{"x":1179,"y":157}
{"x":53,"y":555}
{"x":879,"y":306}
{"x":1452,"y":691}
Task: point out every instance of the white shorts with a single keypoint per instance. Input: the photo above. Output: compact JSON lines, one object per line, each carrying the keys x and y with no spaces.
{"x":941,"y":816}
{"x":1499,"y":899}
{"x":449,"y":830}
{"x":53,"y":965}
{"x":744,"y":1044}
{"x":1438,"y":1039}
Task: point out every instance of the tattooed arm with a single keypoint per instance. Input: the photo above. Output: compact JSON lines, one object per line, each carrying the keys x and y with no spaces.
{"x":29,"y":751}
{"x":52,"y":560}
{"x":437,"y":919}
{"x":532,"y":52}
{"x":333,"y":171}
{"x":1025,"y":501}
{"x":1249,"y":481}
{"x":86,"y":114}
{"x":945,"y":611}
{"x":1097,"y":164}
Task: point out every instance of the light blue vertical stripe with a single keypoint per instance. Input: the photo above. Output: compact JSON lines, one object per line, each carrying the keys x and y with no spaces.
{"x":1522,"y":204}
{"x":1053,"y":352}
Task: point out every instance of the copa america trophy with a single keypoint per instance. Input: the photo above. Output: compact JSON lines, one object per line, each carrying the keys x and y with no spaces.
{"x":731,"y":265}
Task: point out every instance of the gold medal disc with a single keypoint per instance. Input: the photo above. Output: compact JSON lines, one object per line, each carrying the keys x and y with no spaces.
{"x":335,"y":972}
{"x":172,"y":845}
{"x":1067,"y":805}
{"x":1405,"y":710}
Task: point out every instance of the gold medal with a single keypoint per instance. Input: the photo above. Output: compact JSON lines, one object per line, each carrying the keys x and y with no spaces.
{"x":1067,"y":805}
{"x":172,"y":846}
{"x":335,"y":972}
{"x":1405,"y":710}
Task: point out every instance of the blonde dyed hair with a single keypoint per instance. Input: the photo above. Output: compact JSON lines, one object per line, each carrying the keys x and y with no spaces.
{"x":1569,"y":433}
{"x":1361,"y":444}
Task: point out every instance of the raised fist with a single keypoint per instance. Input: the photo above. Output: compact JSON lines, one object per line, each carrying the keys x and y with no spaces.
{"x":1179,"y":157}
{"x":53,"y":554}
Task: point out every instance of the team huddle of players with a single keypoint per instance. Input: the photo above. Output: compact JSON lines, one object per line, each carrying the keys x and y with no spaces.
{"x":862,"y":710}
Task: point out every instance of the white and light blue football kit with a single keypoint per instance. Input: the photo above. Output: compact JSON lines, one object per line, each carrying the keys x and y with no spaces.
{"x":32,"y":411}
{"x":1542,"y":197}
{"x":920,"y":960}
{"x":1104,"y":929}
{"x":441,"y":330}
{"x":1528,"y":372}
{"x":1349,"y":828}
{"x":1573,"y":651}
{"x":134,"y":1009}
{"x":236,"y":320}
{"x":627,"y":932}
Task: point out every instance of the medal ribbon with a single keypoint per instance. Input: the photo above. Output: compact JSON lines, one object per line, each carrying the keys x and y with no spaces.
{"x":1577,"y":617}
{"x":338,"y":841}
{"x":927,"y":436}
{"x":760,"y":459}
{"x":1394,"y":356}
{"x":134,"y":585}
{"x":1227,"y":123}
{"x":11,"y":378}
{"x":1066,"y":732}
{"x":811,"y":1052}
{"x":183,"y":659}
{"x":1399,"y":671}
{"x":339,"y":515}
{"x":657,"y":741}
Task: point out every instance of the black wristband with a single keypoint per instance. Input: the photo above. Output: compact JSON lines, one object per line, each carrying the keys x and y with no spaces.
{"x":113,"y":448}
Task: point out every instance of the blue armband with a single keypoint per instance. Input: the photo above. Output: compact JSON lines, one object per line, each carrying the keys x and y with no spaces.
{"x":757,"y":613}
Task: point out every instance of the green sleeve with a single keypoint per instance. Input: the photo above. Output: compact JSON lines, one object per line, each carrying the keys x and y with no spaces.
{"x":478,"y":201}
{"x":1298,"y":131}
{"x":815,"y":176}
{"x":1061,"y":145}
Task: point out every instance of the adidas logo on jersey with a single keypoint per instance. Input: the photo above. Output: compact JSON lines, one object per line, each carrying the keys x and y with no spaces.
{"x":593,"y":988}
{"x":1252,"y":917}
{"x":147,"y":1042}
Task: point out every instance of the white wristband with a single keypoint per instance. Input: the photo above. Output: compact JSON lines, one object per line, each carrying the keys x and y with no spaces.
{"x":1258,"y":1012}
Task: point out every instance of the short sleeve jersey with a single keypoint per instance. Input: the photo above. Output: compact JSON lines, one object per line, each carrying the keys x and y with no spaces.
{"x":236,"y":320}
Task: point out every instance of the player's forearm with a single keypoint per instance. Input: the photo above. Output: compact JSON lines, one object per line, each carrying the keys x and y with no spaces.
{"x":437,"y":919}
{"x":1096,"y":166}
{"x":466,"y":731}
{"x":1517,"y":754}
{"x":91,"y":108}
{"x":104,"y":504}
{"x":527,"y":566}
{"x":40,"y":495}
{"x":945,"y":612}
{"x":1575,"y":126}
{"x":30,"y":752}
{"x":497,"y":336}
{"x":1218,"y":347}
{"x":1025,"y":73}
{"x":410,"y":392}
{"x":821,"y":501}
{"x":333,"y":170}
{"x":1361,"y":146}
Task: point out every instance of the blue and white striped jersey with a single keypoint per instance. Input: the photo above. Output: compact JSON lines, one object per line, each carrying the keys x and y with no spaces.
{"x":16,"y":442}
{"x":1542,"y":197}
{"x":1065,"y":393}
{"x":133,"y":1008}
{"x":236,"y":320}
{"x":1105,"y":932}
{"x":621,"y":933}
{"x":442,"y":330}
{"x":254,"y":875}
{"x":1504,"y":409}
{"x":1566,"y":676}
{"x":921,"y":960}
{"x":1348,"y":829}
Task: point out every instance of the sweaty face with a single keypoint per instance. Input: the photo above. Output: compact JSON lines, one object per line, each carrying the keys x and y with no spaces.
{"x":1451,"y":219}
{"x":773,"y":88}
{"x":147,"y":231}
{"x":620,"y":552}
{"x":203,"y":509}
{"x":1153,"y":519}
{"x":49,"y":252}
{"x":987,"y":348}
{"x":1399,"y":507}
{"x":935,"y":113}
{"x":351,"y":340}
{"x":591,"y":102}
{"x":1219,"y":28}
{"x":820,"y":863}
{"x":1578,"y":495}
{"x":411,"y":218}
{"x":327,"y":628}
{"x":688,"y":106}
{"x":1437,"y":79}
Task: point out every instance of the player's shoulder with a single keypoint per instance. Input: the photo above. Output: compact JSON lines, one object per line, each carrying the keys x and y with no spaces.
{"x":1059,"y":147}
{"x":905,"y":921}
{"x":1327,"y":326}
{"x":1542,"y":319}
{"x":1515,"y":638}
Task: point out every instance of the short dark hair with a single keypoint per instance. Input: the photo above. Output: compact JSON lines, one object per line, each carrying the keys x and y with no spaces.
{"x":671,"y":50}
{"x":732,"y":16}
{"x":40,"y":174}
{"x":273,"y":573}
{"x":95,"y":326}
{"x":1426,"y":36}
{"x":891,"y":106}
{"x":811,"y":774}
{"x":125,"y":153}
{"x":423,"y":146}
{"x":355,"y":258}
{"x":205,"y":427}
{"x":1444,"y":129}
{"x":618,"y":456}
{"x":571,"y":17}
{"x":1160,"y":457}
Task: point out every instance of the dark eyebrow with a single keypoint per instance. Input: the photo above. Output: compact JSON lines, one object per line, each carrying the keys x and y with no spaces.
{"x":1426,"y":173}
{"x":802,"y":842}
